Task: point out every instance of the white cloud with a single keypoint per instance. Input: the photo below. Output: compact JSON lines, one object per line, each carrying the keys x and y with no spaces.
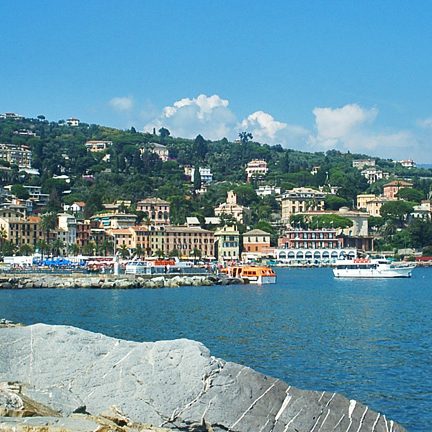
{"x":425,"y":123}
{"x":352,"y":128}
{"x":125,"y":103}
{"x":205,"y":115}
{"x":266,"y":129}
{"x":335,"y":125}
{"x":211,"y":117}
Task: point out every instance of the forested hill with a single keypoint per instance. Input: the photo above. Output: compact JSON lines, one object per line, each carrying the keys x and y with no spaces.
{"x":132,"y":171}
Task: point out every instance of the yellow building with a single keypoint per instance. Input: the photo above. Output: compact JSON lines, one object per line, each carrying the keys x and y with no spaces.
{"x":228,"y":243}
{"x":231,"y":208}
{"x":22,"y":230}
{"x":301,"y":200}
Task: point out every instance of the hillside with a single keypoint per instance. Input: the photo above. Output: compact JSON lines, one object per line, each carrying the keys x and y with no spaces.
{"x":128,"y":169}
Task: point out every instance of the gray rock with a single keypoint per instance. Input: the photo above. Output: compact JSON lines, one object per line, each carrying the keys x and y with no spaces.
{"x":175,"y":384}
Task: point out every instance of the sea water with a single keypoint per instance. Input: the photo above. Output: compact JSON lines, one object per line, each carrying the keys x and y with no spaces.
{"x":370,"y":340}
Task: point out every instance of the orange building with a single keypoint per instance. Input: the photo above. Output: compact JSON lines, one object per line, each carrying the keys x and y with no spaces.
{"x":390,"y":190}
{"x":256,"y":241}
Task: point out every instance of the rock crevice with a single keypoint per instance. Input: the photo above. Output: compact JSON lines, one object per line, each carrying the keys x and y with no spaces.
{"x":171,"y":384}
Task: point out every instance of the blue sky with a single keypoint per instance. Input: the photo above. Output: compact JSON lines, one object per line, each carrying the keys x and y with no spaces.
{"x":310,"y":75}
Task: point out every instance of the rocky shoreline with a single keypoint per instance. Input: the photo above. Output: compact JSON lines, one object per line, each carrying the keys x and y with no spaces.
{"x":60,"y":378}
{"x":25,"y":281}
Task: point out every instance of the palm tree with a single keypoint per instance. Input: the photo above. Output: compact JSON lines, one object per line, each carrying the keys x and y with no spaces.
{"x":42,"y":246}
{"x":26,"y":249}
{"x":123,"y":251}
{"x":48,"y":222}
{"x":139,"y":251}
{"x":196,"y":253}
{"x":56,"y":246}
{"x":73,"y":249}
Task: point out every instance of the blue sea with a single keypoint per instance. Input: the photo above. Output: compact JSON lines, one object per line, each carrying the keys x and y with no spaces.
{"x":368,"y":339}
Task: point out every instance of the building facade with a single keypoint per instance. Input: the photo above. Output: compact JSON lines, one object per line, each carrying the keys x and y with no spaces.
{"x":390,"y":190}
{"x":231,"y":208}
{"x":156,"y":210}
{"x":301,"y":200}
{"x":311,"y":239}
{"x":256,"y":168}
{"x":228,"y":244}
{"x":256,"y":241}
{"x":20,"y":155}
{"x":96,"y":146}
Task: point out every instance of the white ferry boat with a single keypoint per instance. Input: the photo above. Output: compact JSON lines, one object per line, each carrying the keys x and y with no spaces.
{"x":371,"y":268}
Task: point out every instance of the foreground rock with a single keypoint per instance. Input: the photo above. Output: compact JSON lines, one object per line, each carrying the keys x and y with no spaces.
{"x":171,"y":384}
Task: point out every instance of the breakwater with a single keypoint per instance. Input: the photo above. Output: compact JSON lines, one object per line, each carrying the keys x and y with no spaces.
{"x":25,"y":281}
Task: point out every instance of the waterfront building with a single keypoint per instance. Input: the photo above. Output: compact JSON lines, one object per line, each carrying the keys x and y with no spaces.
{"x":310,"y":257}
{"x":299,"y":238}
{"x":257,"y":241}
{"x":156,"y":210}
{"x":67,"y":229}
{"x":22,"y":230}
{"x":301,"y":200}
{"x":231,"y":208}
{"x":82,"y":232}
{"x":189,"y":242}
{"x":256,"y":169}
{"x":113,"y":220}
{"x":390,"y":190}
{"x":227,"y":239}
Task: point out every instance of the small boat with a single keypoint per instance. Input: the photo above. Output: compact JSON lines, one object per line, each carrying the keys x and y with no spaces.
{"x":253,"y":274}
{"x":371,"y":268}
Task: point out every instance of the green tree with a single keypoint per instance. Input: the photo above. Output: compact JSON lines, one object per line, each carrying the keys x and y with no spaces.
{"x":164,"y":133}
{"x":330,"y":221}
{"x":196,"y":253}
{"x":200,"y":147}
{"x":334,"y":202}
{"x":26,"y":249}
{"x":48,"y":222}
{"x":123,"y":251}
{"x":197,"y":179}
{"x":56,"y":247}
{"x":410,"y":194}
{"x":43,"y":247}
{"x":20,"y":191}
{"x":245,"y":137}
{"x":396,"y":211}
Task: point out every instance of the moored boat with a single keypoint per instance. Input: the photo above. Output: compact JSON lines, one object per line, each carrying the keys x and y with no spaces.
{"x":253,"y":274}
{"x":371,"y":268}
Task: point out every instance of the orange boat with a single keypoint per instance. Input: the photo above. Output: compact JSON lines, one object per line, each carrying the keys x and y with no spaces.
{"x":254,"y":274}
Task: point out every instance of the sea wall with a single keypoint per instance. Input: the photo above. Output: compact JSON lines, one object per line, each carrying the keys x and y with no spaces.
{"x":176,"y":384}
{"x":108,"y":281}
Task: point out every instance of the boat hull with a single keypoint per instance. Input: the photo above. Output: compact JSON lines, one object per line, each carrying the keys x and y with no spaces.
{"x":261,"y":280}
{"x":373,"y":273}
